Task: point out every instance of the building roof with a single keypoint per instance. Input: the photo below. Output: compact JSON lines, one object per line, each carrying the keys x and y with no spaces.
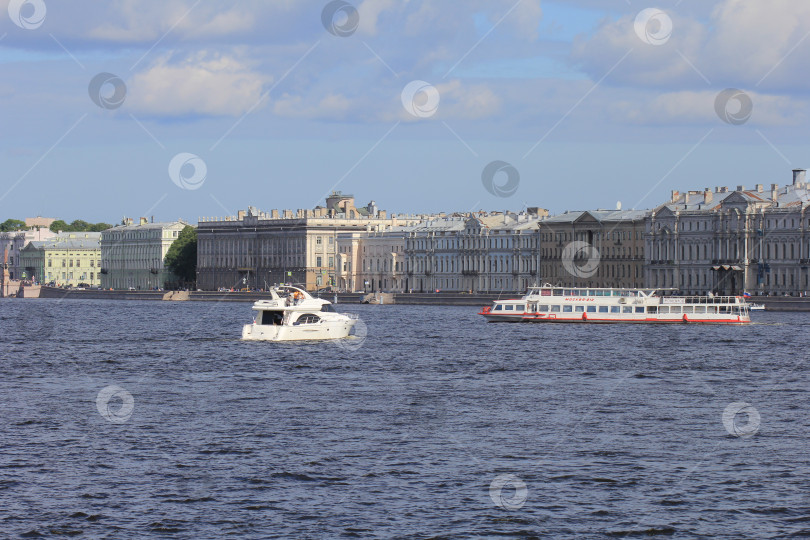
{"x":441,"y":224}
{"x":145,"y":226}
{"x":598,"y":215}
{"x":706,"y":201}
{"x":73,"y":240}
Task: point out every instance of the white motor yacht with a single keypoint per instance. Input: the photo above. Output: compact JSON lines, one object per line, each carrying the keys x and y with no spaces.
{"x":292,"y":314}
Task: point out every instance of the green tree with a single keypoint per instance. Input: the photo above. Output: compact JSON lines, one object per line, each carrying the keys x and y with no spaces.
{"x":12,"y":225}
{"x":98,"y":227}
{"x":181,"y":258}
{"x":59,"y":225}
{"x":79,"y":225}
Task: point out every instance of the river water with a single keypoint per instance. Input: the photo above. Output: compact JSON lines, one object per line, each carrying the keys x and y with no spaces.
{"x":152,"y":419}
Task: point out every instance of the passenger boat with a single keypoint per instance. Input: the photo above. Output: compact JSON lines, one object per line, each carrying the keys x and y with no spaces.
{"x":756,"y":307}
{"x":292,"y":314}
{"x":592,"y":305}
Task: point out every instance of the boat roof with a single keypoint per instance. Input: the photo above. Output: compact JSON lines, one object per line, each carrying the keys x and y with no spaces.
{"x":621,"y":289}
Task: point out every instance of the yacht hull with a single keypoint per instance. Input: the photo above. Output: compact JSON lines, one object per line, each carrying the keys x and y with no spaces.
{"x":321,"y":331}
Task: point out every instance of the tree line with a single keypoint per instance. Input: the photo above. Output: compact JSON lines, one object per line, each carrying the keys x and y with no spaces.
{"x":77,"y":225}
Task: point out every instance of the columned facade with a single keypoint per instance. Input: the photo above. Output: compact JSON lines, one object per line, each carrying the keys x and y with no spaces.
{"x":731,"y":242}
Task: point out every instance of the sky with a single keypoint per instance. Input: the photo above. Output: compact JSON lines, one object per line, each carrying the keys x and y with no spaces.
{"x":200,"y":108}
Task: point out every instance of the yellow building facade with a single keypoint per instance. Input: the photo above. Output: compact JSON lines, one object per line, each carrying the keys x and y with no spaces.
{"x":67,"y":259}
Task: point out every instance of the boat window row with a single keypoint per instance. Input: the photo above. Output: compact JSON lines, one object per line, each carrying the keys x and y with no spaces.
{"x":586,"y":292}
{"x":307,"y":318}
{"x":653,"y":310}
{"x":677,"y":310}
{"x":543,"y":308}
{"x":711,"y":300}
{"x":510,"y":307}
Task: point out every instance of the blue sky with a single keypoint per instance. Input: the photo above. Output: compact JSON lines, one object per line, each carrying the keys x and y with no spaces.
{"x":587,"y":105}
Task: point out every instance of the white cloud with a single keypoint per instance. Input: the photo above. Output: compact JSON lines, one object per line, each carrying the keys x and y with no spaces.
{"x":207,"y":84}
{"x":738,"y":45}
{"x":369,"y":11}
{"x":698,"y":108}
{"x":457,"y":101}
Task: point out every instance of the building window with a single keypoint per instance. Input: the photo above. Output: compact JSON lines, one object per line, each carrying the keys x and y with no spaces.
{"x":318,"y":261}
{"x":318,"y":241}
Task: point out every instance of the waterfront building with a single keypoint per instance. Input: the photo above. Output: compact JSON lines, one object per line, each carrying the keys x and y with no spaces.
{"x":258,"y":249}
{"x":12,"y":243}
{"x":594,"y":248}
{"x":372,"y":261}
{"x":71,"y":258}
{"x":133,"y":255}
{"x":478,"y":252}
{"x":730,"y":242}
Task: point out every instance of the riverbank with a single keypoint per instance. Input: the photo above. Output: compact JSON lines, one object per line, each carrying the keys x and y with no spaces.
{"x":444,"y":299}
{"x":772,"y":303}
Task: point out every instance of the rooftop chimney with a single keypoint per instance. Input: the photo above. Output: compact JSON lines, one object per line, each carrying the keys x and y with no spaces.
{"x":675,"y":195}
{"x":740,"y":188}
{"x":707,"y":195}
{"x":774,"y":192}
{"x":799,"y":176}
{"x":143,"y":221}
{"x":760,"y":188}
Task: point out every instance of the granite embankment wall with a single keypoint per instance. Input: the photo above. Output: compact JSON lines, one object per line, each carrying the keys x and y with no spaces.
{"x":772,"y":303}
{"x":215,"y":296}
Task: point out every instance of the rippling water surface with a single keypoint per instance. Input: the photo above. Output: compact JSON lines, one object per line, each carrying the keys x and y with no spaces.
{"x":152,"y":419}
